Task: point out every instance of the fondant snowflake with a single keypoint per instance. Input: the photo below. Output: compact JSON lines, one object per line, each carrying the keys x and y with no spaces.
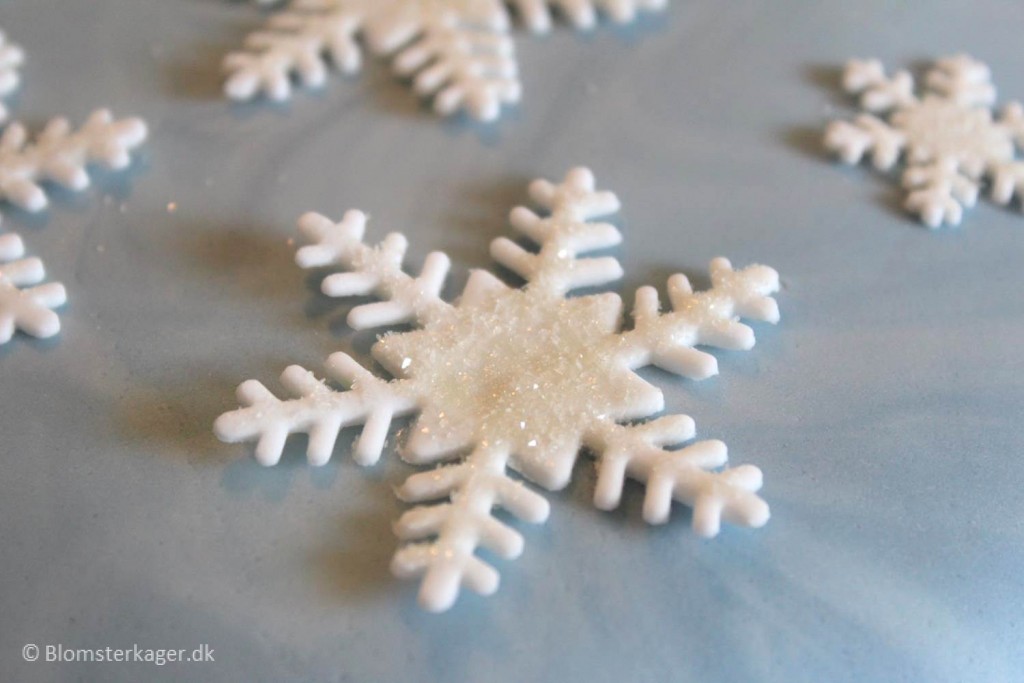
{"x":11,"y":59}
{"x":23,"y":306}
{"x":948,"y":136}
{"x":519,"y":378}
{"x":458,"y":51}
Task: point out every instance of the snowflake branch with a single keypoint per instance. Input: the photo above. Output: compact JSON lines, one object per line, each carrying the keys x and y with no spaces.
{"x":1012,"y":118}
{"x":11,"y":59}
{"x":373,"y":270}
{"x":851,"y":141}
{"x":582,"y":14}
{"x":296,"y":43}
{"x":563,"y":235}
{"x":61,"y":155}
{"x":636,"y":451}
{"x":710,"y":318}
{"x":1007,"y":182}
{"x":963,"y":80}
{"x":940,"y":191}
{"x":28,"y":309}
{"x":319,"y":411}
{"x":878,"y":93}
{"x":448,"y":562}
{"x":465,"y":68}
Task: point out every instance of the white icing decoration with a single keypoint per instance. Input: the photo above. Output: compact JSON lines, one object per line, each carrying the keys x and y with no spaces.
{"x":516,"y":378}
{"x":60,"y":154}
{"x":11,"y":59}
{"x":23,"y":306}
{"x":949,"y":138}
{"x":457,"y":51}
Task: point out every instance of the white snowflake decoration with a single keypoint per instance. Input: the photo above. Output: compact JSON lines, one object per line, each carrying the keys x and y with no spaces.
{"x":948,"y":135}
{"x":23,"y":306}
{"x":11,"y":59}
{"x":60,"y":154}
{"x":458,"y":51}
{"x":515,"y":378}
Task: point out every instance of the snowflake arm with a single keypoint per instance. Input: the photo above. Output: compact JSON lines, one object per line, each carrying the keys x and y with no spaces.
{"x":319,"y":411}
{"x":11,"y":59}
{"x":963,"y":80}
{"x":1007,"y":182}
{"x":1008,"y":176}
{"x":1012,"y":119}
{"x":474,"y":487}
{"x":684,"y":475}
{"x":463,"y":68}
{"x":563,"y":235}
{"x":372,"y":270}
{"x":296,"y":43}
{"x":61,"y":155}
{"x":23,"y":306}
{"x":939,"y":192}
{"x":710,"y":318}
{"x":878,"y":93}
{"x":851,"y":141}
{"x":582,"y":14}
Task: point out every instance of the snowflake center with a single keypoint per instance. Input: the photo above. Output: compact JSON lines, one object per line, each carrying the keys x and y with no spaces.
{"x":525,"y":371}
{"x":938,"y":128}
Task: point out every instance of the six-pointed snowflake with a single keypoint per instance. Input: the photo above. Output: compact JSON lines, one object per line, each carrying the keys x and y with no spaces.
{"x":519,"y":378}
{"x":458,"y":51}
{"x":27,"y":309}
{"x":948,"y":136}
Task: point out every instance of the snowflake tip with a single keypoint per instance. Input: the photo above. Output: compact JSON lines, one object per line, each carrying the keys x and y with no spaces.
{"x":25,"y":304}
{"x":330,"y":240}
{"x":755,"y":282}
{"x":749,"y":511}
{"x":11,"y":247}
{"x":963,"y":80}
{"x":442,"y":582}
{"x":859,"y":74}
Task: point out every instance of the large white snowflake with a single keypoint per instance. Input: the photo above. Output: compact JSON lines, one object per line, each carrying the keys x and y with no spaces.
{"x":24,"y":303}
{"x":519,"y":378}
{"x":458,"y":51}
{"x":948,"y":135}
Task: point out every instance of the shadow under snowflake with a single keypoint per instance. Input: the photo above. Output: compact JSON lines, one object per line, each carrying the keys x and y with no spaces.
{"x":520,"y":378}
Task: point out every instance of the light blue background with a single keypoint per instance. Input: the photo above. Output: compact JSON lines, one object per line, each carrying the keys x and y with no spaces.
{"x":885,"y":411}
